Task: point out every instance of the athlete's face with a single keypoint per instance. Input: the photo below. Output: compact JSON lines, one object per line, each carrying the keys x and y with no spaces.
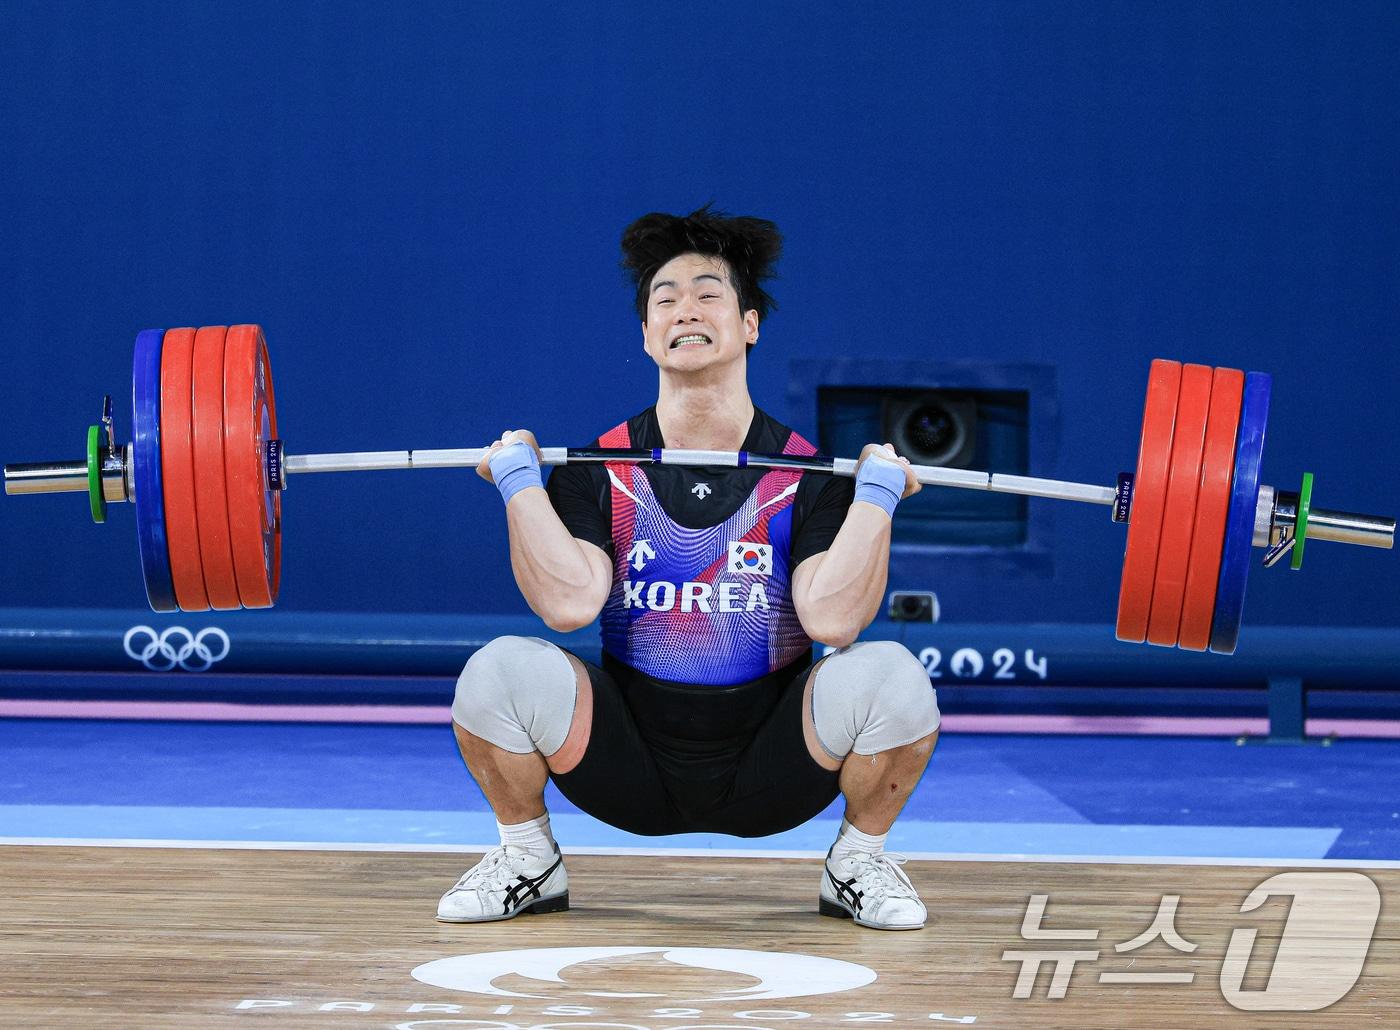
{"x":693,"y":317}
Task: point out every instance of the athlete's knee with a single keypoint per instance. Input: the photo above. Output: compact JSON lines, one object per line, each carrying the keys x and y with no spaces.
{"x":871,"y":697}
{"x":518,"y":693}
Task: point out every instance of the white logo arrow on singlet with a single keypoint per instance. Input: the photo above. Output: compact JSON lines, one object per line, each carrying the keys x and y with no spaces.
{"x":701,"y":490}
{"x":640,"y":554}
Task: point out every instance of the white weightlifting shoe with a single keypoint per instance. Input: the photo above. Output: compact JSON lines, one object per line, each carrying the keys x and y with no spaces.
{"x":506,"y":882}
{"x":872,"y":890}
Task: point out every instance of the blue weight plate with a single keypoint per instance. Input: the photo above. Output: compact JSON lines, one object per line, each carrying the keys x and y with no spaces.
{"x":148,"y":491}
{"x":1239,"y":523}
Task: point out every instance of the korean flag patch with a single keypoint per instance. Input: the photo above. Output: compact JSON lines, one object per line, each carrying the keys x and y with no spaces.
{"x":756,"y":559}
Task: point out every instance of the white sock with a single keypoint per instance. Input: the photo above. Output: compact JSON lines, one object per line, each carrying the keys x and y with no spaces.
{"x":851,"y":841}
{"x":532,"y":835}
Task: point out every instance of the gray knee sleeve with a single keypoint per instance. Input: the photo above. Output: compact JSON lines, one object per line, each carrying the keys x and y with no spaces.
{"x":519,"y":693}
{"x":870,"y":697}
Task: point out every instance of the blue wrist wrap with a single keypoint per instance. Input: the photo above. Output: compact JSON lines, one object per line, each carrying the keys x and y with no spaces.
{"x":881,"y":483}
{"x":515,"y":468}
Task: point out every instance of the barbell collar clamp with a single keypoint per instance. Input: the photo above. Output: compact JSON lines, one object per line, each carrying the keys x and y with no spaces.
{"x":107,"y":423}
{"x":276,"y":465}
{"x":116,"y":475}
{"x":1278,"y":551}
{"x":1123,"y":497}
{"x":1264,"y":516}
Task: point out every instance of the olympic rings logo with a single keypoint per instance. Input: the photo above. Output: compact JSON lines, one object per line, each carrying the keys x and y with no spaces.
{"x":174,"y":646}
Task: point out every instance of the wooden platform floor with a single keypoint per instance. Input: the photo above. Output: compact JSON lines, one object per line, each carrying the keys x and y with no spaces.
{"x":130,"y":937}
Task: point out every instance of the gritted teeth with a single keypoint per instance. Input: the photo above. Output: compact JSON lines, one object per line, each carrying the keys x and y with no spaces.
{"x":691,"y":338}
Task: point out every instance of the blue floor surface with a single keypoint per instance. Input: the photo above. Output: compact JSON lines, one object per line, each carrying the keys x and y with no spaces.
{"x":983,"y":794}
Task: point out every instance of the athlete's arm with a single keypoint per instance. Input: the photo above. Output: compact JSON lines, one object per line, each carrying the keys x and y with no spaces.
{"x":838,"y":592}
{"x":564,"y":580}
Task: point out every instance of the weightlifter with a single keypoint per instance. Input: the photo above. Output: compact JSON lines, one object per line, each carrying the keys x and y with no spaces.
{"x":707,"y":714}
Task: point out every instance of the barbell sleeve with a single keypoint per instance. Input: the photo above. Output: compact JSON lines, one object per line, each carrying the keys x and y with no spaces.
{"x":63,"y":477}
{"x":1343,"y":527}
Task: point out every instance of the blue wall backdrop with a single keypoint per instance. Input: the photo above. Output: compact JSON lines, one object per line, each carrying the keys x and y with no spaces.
{"x":421,"y":203}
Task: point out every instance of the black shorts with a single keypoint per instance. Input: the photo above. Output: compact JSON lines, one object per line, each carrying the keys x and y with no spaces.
{"x":668,"y":757}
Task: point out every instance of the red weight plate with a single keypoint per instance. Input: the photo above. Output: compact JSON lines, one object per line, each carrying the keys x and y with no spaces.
{"x":210,"y":492}
{"x":254,"y":507}
{"x":177,"y":470}
{"x":1179,"y":514}
{"x":1149,"y":500}
{"x":1217,"y":477}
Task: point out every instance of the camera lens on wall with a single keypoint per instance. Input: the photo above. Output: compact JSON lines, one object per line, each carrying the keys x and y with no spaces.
{"x":933,"y":428}
{"x":913,"y":606}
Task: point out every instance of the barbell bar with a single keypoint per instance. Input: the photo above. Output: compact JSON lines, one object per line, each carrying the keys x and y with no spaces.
{"x":1279,"y":507}
{"x":207,"y":470}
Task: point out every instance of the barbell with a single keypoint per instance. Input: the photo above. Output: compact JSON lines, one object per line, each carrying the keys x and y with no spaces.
{"x":206,"y":470}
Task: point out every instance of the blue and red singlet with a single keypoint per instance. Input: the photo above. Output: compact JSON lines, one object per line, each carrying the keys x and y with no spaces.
{"x":709,"y":605}
{"x":702,"y":558}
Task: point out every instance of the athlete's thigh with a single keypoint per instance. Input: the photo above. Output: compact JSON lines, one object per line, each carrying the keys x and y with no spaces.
{"x":617,"y":779}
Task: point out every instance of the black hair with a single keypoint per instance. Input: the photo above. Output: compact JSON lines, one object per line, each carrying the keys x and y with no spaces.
{"x":748,"y":246}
